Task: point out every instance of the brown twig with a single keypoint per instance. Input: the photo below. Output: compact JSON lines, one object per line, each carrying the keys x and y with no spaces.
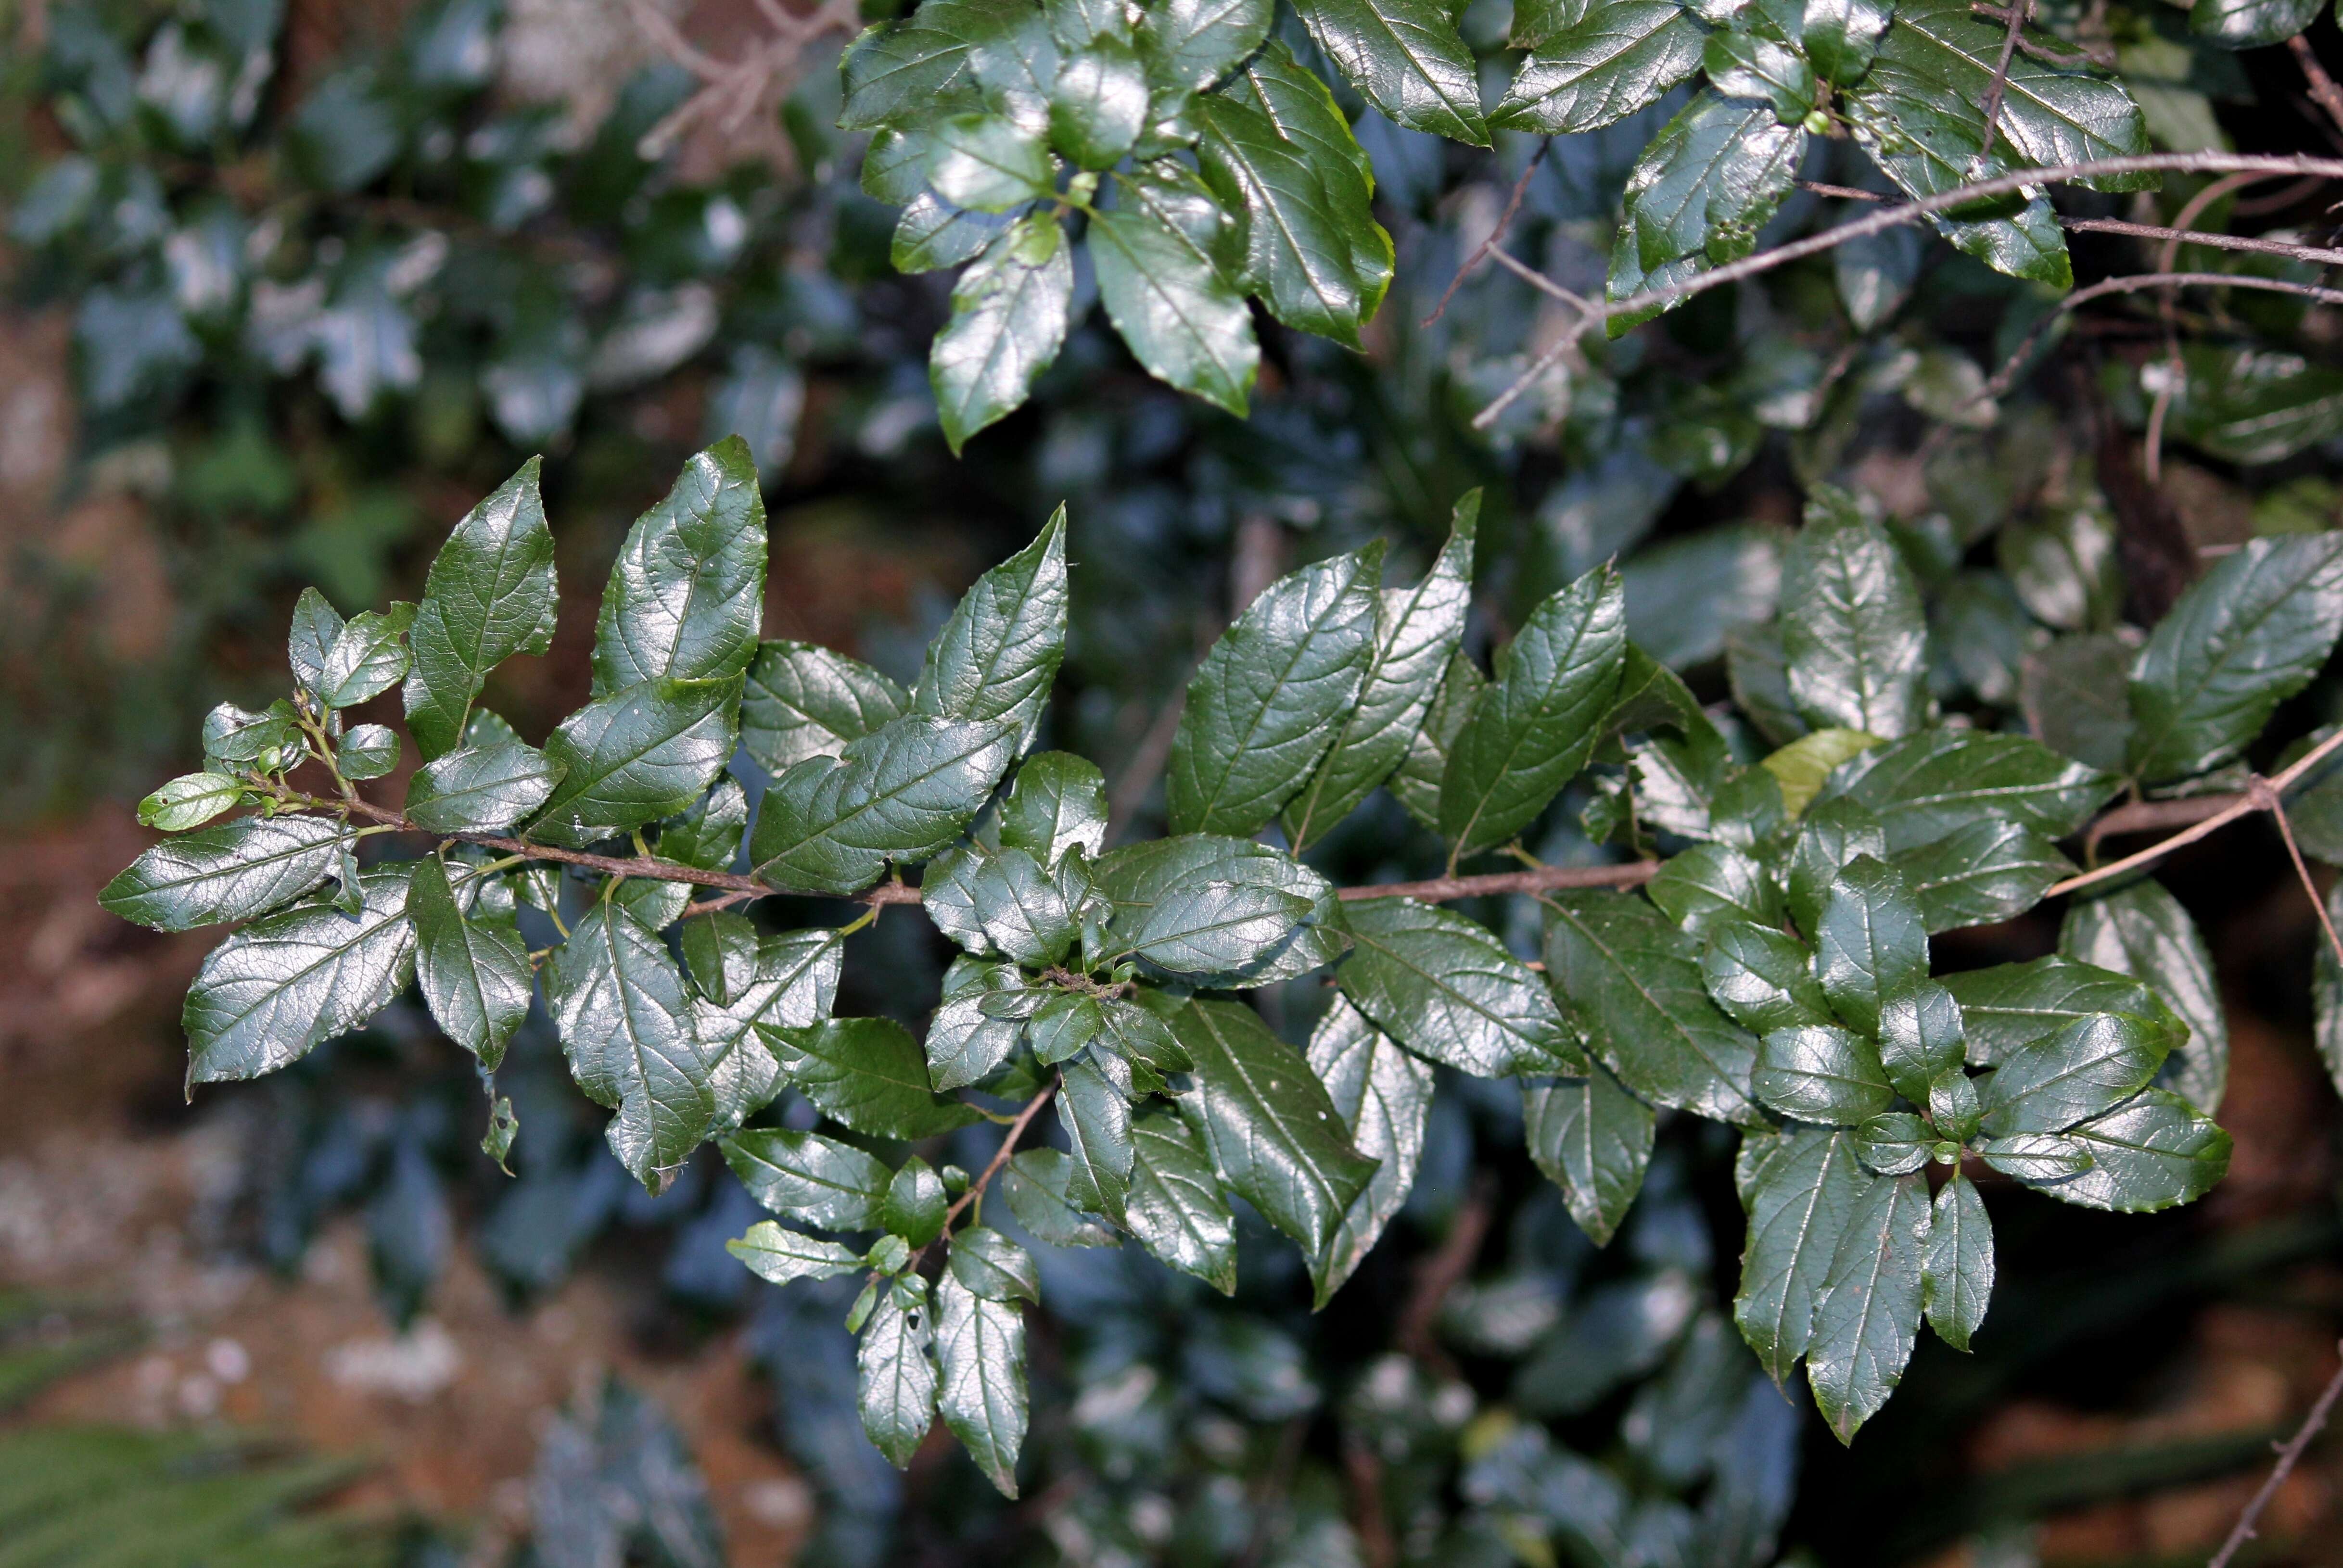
{"x":1442,"y":1273}
{"x":2323,"y":90}
{"x":2267,"y":798}
{"x":1844,"y":193}
{"x":2083,"y":53}
{"x":992,"y":1168}
{"x":2176,"y":238}
{"x":1999,"y":88}
{"x":735,"y":91}
{"x":1538,"y":879}
{"x":2288,"y":1457}
{"x":2133,"y":283}
{"x":1496,"y":236}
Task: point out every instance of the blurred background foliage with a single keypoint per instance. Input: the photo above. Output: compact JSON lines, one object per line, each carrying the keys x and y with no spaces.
{"x":291,"y":284}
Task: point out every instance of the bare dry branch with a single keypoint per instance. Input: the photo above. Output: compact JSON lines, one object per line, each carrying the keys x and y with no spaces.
{"x":2287,"y":1458}
{"x":2323,"y":90}
{"x":2180,"y":236}
{"x":2132,"y":284}
{"x":2016,"y":16}
{"x":2084,"y":55}
{"x":1496,"y":236}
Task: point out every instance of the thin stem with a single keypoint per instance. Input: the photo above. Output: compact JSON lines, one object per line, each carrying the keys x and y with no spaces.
{"x":1488,"y":246}
{"x":2287,"y":1458}
{"x":2323,"y":90}
{"x":1544,"y":879}
{"x":2003,"y":378}
{"x":2277,"y":810}
{"x":2179,"y":236}
{"x":1000,"y":1158}
{"x":2018,"y":14}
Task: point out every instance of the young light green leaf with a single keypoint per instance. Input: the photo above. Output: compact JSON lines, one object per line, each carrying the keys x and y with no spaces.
{"x":1813,"y":1072}
{"x":868,"y":1073}
{"x":480,"y":789}
{"x":474,"y":972}
{"x":2152,"y":1153}
{"x":805,"y":701}
{"x":1800,"y":768}
{"x":688,"y":590}
{"x":634,"y":755}
{"x":1594,"y":1141}
{"x":491,"y":595}
{"x":1448,"y":991}
{"x":282,"y":986}
{"x":901,"y":793}
{"x":807,"y":1177}
{"x":2010,"y":1005}
{"x":1384,"y":1096}
{"x":1163,"y":258}
{"x":898,"y":1381}
{"x":1038,"y":1184}
{"x":1852,"y":626}
{"x":190,"y":801}
{"x":1869,"y":943}
{"x":1176,"y":1207}
{"x":1057,"y":803}
{"x":998,"y":654}
{"x":1956,"y":1274}
{"x":1614,"y":60}
{"x":1536,"y":725}
{"x":1869,"y":1314}
{"x":994,"y":1266}
{"x":1009,"y":312}
{"x":1267,"y":702}
{"x":1407,"y":59}
{"x":783,"y":1256}
{"x":1761,"y":976}
{"x":980,"y":1351}
{"x":231,"y":872}
{"x":1272,"y":1134}
{"x":1417,"y":631}
{"x":625,"y":1024}
{"x":2089,"y":1067}
{"x":1803,"y":1189}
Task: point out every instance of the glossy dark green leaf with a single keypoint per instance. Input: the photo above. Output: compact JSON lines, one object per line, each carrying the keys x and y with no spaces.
{"x":2250,"y":24}
{"x":1445,"y":988}
{"x":2152,"y":1153}
{"x":1176,"y":1207}
{"x":1140,"y":1037}
{"x":994,"y":1266}
{"x":784,"y":1256}
{"x":190,"y":801}
{"x":1851,"y":624}
{"x":688,"y":590}
{"x":1057,"y":803}
{"x":1594,"y":1141}
{"x":1956,"y":1277}
{"x":1759,"y":671}
{"x":965,"y":1043}
{"x":867,"y":1073}
{"x":794,"y":984}
{"x":1633,"y":984}
{"x":901,"y":793}
{"x":2010,"y":1005}
{"x":475,"y":972}
{"x":480,"y":789}
{"x":1217,"y":928}
{"x":1895,"y":1143}
{"x":806,"y":701}
{"x":987,"y":163}
{"x":902,"y":72}
{"x":1016,"y":907}
{"x":806,"y":1177}
{"x":1989,"y":871}
{"x":310,"y":637}
{"x":1869,"y":943}
{"x":1097,"y":1123}
{"x":997,"y":655}
{"x":708,"y":833}
{"x":1929,"y":785}
{"x":1384,"y":1096}
{"x":1952,"y":1103}
{"x":1009,"y":312}
{"x":915,"y":1203}
{"x":1098,"y":104}
{"x":1710,"y":883}
{"x":932,"y":233}
{"x":1614,"y":60}
{"x":231,"y":872}
{"x":2078,"y":697}
{"x":1831,"y":837}
{"x":1190,"y":45}
{"x":1920,"y":1038}
{"x":1708,"y":182}
{"x":1162,"y":255}
{"x":2038,"y":1157}
{"x":1761,"y":976}
{"x":2141,"y":930}
{"x":1271,"y":1133}
{"x":981,"y":1353}
{"x":491,"y":595}
{"x":1751,"y":66}
{"x":2085,"y":1069}
{"x":368,"y":659}
{"x":2246,"y":403}
{"x":897,"y":1391}
{"x":625,"y":1024}
{"x":636,"y":755}
{"x":1803,"y":1189}
{"x":1038,"y":1184}
{"x":2246,"y":637}
{"x":1269,"y":699}
{"x":1279,"y":155}
{"x":1534,"y":726}
{"x":1869,"y":1314}
{"x":1840,"y":37}
{"x":2063,"y":566}
{"x":1137,"y":878}
{"x":1406,"y":58}
{"x":1814,"y":1072}
{"x":367,"y":751}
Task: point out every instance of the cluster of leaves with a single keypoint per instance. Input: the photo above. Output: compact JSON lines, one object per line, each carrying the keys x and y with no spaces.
{"x":1773,"y":973}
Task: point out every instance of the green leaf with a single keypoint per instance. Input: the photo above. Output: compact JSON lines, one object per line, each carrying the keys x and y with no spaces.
{"x":2247,"y":404}
{"x":2246,"y":637}
{"x":625,"y":1024}
{"x":367,"y":751}
{"x":1533,"y":727}
{"x":634,"y":755}
{"x":1384,"y":1096}
{"x":2326,"y":995}
{"x":1098,"y":104}
{"x":901,"y":793}
{"x":2152,"y":1153}
{"x":1138,"y":1036}
{"x":232,"y":735}
{"x":1268,"y":700}
{"x":1176,"y":1207}
{"x":1813,"y":1072}
{"x":1278,"y":153}
{"x":1831,"y":837}
{"x":1761,"y":975}
{"x":2064,"y":567}
{"x":1869,"y":943}
{"x":190,"y":801}
{"x":915,"y":1204}
{"x":1057,"y":803}
{"x":1217,"y":928}
{"x":1929,"y":785}
{"x":1097,"y":1123}
{"x":1614,"y":60}
{"x":1268,"y":1125}
{"x":368,"y":659}
{"x":1989,"y":871}
{"x":1707,"y":183}
{"x":1802,"y":1188}
{"x":1895,"y":1143}
{"x":2036,"y":1157}
{"x":309,"y":641}
{"x":783,"y":1256}
{"x":1009,"y":315}
{"x":1852,"y":626}
{"x":480,"y":789}
{"x":807,"y":1177}
{"x":708,"y":833}
{"x":1190,"y":45}
{"x":232,"y":872}
{"x":1594,"y":1141}
{"x":981,"y":1350}
{"x":867,"y":1073}
{"x":1447,"y":989}
{"x":2011,"y":1006}
{"x":1406,"y":58}
{"x":902,"y":72}
{"x":965,"y":1043}
{"x":1869,"y":1314}
{"x":1920,"y":1038}
{"x":932,"y":235}
{"x":475,"y":974}
{"x":987,"y":163}
{"x":686,"y":591}
{"x":2250,"y":24}
{"x":1710,"y":883}
{"x":805,"y":701}
{"x":1417,"y":634}
{"x":1039,"y":1183}
{"x":1800,"y":768}
{"x":994,"y":1266}
{"x":1956,"y":1274}
{"x":1840,"y":37}
{"x":2085,"y":1069}
{"x":998,"y":654}
{"x":2078,"y":697}
{"x":897,"y":1389}
{"x":1632,"y":982}
{"x":1006,"y":904}
{"x":491,"y":595}
{"x":794,"y":984}
{"x":1138,"y":877}
{"x":1160,"y":253}
{"x":1416,"y":783}
{"x":1750,"y":65}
